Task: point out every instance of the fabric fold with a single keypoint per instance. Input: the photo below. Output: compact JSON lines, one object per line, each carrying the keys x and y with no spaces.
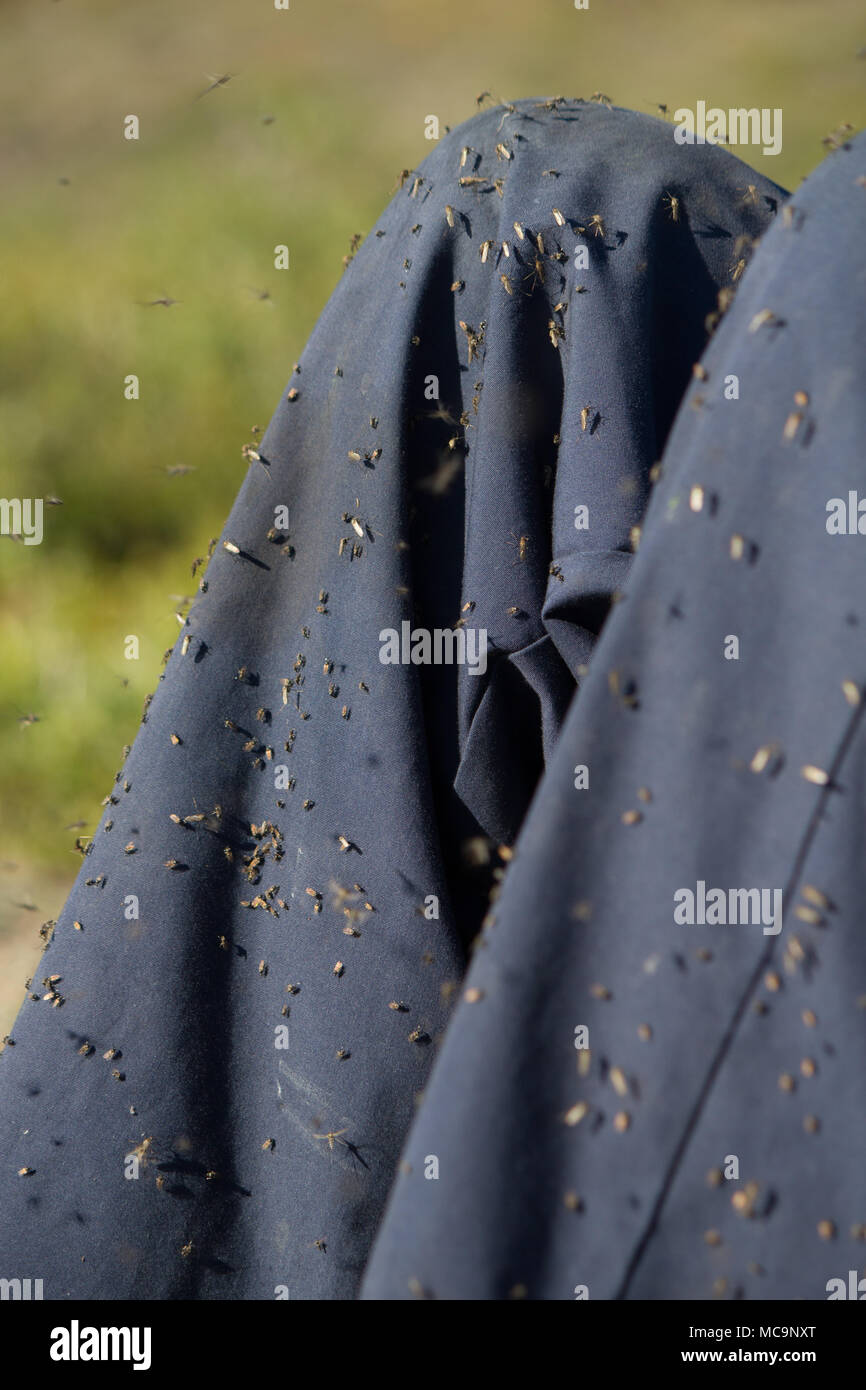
{"x":653,"y":1084}
{"x":208,"y":1094}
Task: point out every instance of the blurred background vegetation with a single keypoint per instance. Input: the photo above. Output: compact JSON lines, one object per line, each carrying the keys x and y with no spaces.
{"x":326,"y":103}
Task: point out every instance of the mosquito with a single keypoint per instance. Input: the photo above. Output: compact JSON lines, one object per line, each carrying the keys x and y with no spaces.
{"x":522,"y":544}
{"x":217,"y":80}
{"x":536,"y":275}
{"x":332,"y":1136}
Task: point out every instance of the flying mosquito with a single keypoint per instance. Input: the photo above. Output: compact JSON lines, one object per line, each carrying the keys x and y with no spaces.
{"x":217,"y":80}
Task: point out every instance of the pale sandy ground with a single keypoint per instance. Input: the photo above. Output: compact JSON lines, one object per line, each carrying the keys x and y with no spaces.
{"x":27,"y":899}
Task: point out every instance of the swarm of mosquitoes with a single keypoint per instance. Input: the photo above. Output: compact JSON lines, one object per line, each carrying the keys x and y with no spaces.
{"x":529,"y":260}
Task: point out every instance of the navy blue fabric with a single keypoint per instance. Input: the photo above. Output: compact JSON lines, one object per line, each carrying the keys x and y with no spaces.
{"x":264,"y":1169}
{"x":707,"y":1043}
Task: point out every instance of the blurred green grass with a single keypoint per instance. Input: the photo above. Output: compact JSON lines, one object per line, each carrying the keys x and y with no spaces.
{"x":193,"y":210}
